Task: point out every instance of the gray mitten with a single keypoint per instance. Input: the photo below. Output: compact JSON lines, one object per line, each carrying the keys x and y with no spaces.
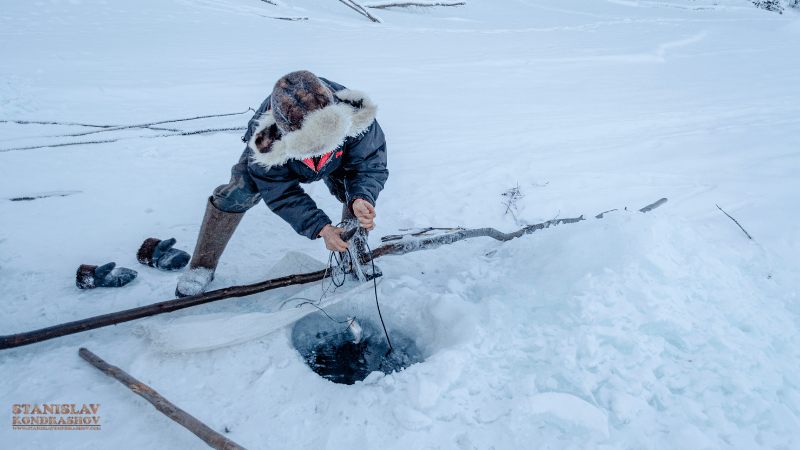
{"x":107,"y":275}
{"x":160,"y":254}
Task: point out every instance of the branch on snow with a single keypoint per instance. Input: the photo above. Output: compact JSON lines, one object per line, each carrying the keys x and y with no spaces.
{"x":106,"y":141}
{"x":412,"y":245}
{"x":360,"y":9}
{"x":413,"y":5}
{"x":119,"y":127}
{"x":400,"y":247}
{"x":201,"y":430}
{"x":736,"y":222}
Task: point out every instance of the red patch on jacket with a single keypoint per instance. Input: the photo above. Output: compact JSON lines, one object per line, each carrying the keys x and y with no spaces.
{"x":322,"y":160}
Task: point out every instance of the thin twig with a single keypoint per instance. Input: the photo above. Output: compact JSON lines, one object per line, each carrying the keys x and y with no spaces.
{"x":360,"y":9}
{"x":508,"y":210}
{"x":209,"y":130}
{"x":419,"y":5}
{"x":147,"y":125}
{"x":513,"y":195}
{"x":182,"y":133}
{"x":38,"y":196}
{"x":51,"y":136}
{"x":737,"y":223}
{"x":58,"y":145}
{"x":71,"y":124}
{"x":117,"y":127}
{"x":600,"y":216}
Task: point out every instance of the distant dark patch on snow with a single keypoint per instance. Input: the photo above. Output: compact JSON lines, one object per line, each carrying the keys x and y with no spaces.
{"x":772,"y":5}
{"x":30,"y":197}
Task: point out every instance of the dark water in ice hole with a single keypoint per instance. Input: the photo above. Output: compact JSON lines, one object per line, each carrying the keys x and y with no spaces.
{"x":329,"y":350}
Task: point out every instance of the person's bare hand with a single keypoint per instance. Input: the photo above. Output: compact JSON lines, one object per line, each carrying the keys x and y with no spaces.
{"x":333,"y":238}
{"x":364,"y":212}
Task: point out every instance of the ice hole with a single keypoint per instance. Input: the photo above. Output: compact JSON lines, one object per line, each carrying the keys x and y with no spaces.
{"x":330,"y":350}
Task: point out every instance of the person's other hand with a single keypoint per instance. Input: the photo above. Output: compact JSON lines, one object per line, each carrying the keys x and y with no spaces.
{"x":364,"y":212}
{"x":333,"y":238}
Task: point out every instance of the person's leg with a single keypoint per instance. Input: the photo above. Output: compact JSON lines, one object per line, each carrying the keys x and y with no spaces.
{"x":241,"y":193}
{"x":224,"y":210}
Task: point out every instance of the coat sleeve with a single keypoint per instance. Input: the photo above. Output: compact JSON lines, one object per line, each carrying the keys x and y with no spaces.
{"x":281,"y":191}
{"x":364,"y":165}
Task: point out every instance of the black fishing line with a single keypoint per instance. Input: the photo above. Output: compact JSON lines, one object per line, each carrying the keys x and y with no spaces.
{"x":308,"y":301}
{"x":375,"y":286}
{"x":334,"y":270}
{"x":342,"y":259}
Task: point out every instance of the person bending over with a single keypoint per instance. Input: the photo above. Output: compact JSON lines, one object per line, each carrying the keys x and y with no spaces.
{"x":308,"y":129}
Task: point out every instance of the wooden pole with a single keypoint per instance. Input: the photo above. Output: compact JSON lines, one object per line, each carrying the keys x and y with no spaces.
{"x":412,"y":245}
{"x":201,"y":430}
{"x":78,"y":326}
{"x":395,"y":248}
{"x":431,"y":242}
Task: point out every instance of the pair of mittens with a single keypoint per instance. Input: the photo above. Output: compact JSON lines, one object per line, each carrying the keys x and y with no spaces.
{"x":160,"y":254}
{"x":107,"y":275}
{"x":153,"y":252}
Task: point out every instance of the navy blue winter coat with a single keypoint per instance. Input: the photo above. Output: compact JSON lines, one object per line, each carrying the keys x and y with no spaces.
{"x":341,"y":144}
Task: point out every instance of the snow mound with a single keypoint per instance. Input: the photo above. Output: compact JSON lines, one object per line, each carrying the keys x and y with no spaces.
{"x":633,"y":327}
{"x":625,"y":323}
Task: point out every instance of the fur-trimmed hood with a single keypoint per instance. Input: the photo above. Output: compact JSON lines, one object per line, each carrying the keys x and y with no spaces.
{"x":323,"y":130}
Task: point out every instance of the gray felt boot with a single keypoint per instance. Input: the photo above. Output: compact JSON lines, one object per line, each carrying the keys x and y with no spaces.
{"x":217,"y":229}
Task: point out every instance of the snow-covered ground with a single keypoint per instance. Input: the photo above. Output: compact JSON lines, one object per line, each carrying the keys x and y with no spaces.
{"x":650,"y":331}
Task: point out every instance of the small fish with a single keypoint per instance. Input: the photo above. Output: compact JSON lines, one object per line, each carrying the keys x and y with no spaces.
{"x":355,"y":328}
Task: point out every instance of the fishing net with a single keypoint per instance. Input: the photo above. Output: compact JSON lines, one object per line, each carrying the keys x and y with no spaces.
{"x":257,"y":316}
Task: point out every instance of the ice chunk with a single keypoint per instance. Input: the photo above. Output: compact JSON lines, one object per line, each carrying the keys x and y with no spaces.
{"x":690,"y":438}
{"x":411,"y":419}
{"x":568,"y":411}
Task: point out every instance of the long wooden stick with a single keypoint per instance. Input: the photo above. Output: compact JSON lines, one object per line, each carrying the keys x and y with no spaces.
{"x":395,"y":248}
{"x":201,"y":430}
{"x":427,"y":243}
{"x":44,"y":334}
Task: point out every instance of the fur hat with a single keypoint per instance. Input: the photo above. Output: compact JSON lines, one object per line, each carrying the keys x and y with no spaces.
{"x":280,"y":136}
{"x":295,"y":96}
